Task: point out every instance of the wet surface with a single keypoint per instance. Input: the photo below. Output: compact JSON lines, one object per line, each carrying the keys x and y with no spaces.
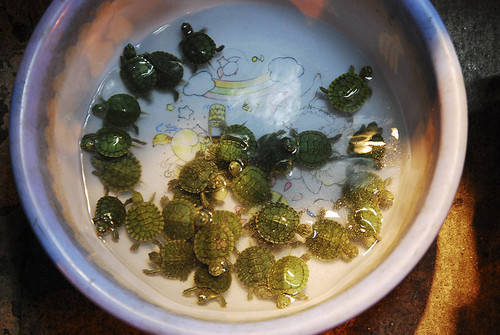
{"x":453,"y":290}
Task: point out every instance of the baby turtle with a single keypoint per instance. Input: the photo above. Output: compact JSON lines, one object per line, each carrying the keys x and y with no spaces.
{"x":197,"y":47}
{"x":286,"y":280}
{"x":144,"y":221}
{"x":169,"y":70}
{"x":229,"y":219}
{"x":314,"y":148}
{"x":277,"y":223}
{"x":138,"y":74}
{"x":117,"y":174}
{"x":368,"y":142}
{"x":364,"y":188}
{"x":213,"y":244}
{"x":250,"y":185}
{"x":109,"y":216}
{"x":199,"y":176}
{"x":252,"y":266}
{"x":175,"y":260}
{"x":208,"y":287}
{"x":241,"y":133}
{"x":275,"y":153}
{"x":364,"y":224}
{"x":120,"y":110}
{"x":349,"y":91}
{"x":181,"y":217}
{"x":108,"y":142}
{"x":330,"y":241}
{"x":227,"y":150}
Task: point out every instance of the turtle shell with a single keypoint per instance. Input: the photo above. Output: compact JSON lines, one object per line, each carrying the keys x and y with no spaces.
{"x":277,"y":222}
{"x":229,"y":219}
{"x":275,"y":152}
{"x":193,"y":198}
{"x":122,"y":110}
{"x":198,"y":47}
{"x":227,"y":150}
{"x":109,"y":214}
{"x":330,"y":241}
{"x":112,"y":142}
{"x":178,"y":215}
{"x":144,"y":221}
{"x":195,"y":175}
{"x":213,"y":243}
{"x":168,"y":68}
{"x":241,"y":133}
{"x":364,"y":225}
{"x":314,"y":149}
{"x":289,"y":275}
{"x":364,"y":188}
{"x":138,"y":74}
{"x":253,"y":265}
{"x":118,"y":174}
{"x":251,"y":187}
{"x":349,"y":92}
{"x":177,"y":259}
{"x":218,"y":284}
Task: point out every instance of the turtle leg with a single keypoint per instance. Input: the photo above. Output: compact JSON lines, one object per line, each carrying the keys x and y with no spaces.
{"x":138,"y":141}
{"x":283,"y":301}
{"x":114,"y":235}
{"x":151,"y":272}
{"x":136,"y":129}
{"x":324,"y":90}
{"x":219,"y":48}
{"x":135,"y":246}
{"x":176,"y":95}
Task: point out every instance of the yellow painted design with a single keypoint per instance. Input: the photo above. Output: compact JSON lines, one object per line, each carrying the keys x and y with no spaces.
{"x":161,"y":138}
{"x":170,"y":107}
{"x":278,"y":197}
{"x":246,"y":106}
{"x":242,"y":84}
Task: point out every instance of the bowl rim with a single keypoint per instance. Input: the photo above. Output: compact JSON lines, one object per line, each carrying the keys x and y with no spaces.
{"x":359,"y":297}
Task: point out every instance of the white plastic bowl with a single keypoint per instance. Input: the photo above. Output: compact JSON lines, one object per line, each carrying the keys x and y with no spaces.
{"x":76,"y":41}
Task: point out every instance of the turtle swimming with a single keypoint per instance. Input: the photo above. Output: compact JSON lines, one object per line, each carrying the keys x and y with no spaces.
{"x":314,"y":148}
{"x":197,"y":47}
{"x":120,"y":110}
{"x":138,"y":74}
{"x":368,"y":142}
{"x":169,"y":70}
{"x":213,"y":244}
{"x":349,"y":91}
{"x":208,"y":287}
{"x":108,"y":142}
{"x":364,"y":188}
{"x":275,"y":153}
{"x":143,"y":221}
{"x":109,"y":216}
{"x":252,"y":266}
{"x":117,"y":174}
{"x":174,"y":260}
{"x":250,"y":185}
{"x":181,"y":217}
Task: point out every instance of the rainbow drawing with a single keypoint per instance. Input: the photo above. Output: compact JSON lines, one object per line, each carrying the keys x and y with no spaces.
{"x":225,"y":90}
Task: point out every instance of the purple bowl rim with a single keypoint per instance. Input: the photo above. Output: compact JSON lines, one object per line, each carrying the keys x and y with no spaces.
{"x":102,"y":291}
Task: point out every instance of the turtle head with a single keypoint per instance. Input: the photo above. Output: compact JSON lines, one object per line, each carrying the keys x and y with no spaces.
{"x":88,"y":142}
{"x":99,"y":110}
{"x":235,"y":168}
{"x":366,"y":73}
{"x":129,"y":51}
{"x":103,"y":224}
{"x":186,"y":29}
{"x":289,"y":144}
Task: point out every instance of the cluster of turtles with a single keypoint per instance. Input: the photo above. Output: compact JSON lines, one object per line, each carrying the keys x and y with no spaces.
{"x":191,"y":234}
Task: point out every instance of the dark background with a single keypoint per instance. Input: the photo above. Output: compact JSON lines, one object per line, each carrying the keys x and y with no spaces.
{"x":454,"y":289}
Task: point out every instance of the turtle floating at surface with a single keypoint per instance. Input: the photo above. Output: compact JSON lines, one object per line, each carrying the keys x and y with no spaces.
{"x":197,"y":47}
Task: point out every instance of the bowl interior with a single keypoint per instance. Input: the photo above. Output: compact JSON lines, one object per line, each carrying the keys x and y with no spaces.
{"x":82,"y":50}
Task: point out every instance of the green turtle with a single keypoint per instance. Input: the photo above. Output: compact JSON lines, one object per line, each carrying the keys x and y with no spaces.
{"x":213,"y":244}
{"x":169,"y":70}
{"x":108,"y":142}
{"x":174,"y":260}
{"x":349,"y":91}
{"x":277,"y":223}
{"x":368,"y":142}
{"x":250,"y":185}
{"x":208,"y":287}
{"x":252,"y":266}
{"x":241,"y":133}
{"x":181,"y":217}
{"x":199,"y":176}
{"x":230,"y":219}
{"x":117,"y":174}
{"x":363,"y":188}
{"x":364,"y":224}
{"x":144,"y":221}
{"x":197,"y":47}
{"x":275,"y":153}
{"x":330,"y":240}
{"x":226,"y":151}
{"x":120,"y":110}
{"x":109,"y":216}
{"x":314,"y":149}
{"x":138,"y":74}
{"x":286,"y":280}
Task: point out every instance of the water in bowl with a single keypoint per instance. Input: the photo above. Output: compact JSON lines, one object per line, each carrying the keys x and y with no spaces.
{"x":268,"y":77}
